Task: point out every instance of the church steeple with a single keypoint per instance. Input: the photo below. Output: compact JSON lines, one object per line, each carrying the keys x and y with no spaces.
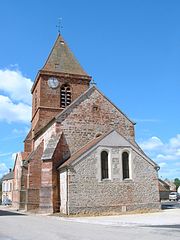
{"x":58,"y":83}
{"x":62,"y":60}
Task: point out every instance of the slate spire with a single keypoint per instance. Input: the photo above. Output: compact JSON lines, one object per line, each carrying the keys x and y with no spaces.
{"x":62,"y":60}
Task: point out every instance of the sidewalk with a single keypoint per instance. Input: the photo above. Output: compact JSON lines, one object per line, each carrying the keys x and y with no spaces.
{"x":165,"y":217}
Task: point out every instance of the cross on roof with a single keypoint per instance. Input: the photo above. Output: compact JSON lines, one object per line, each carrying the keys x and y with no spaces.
{"x":93,"y":82}
{"x":59,"y":25}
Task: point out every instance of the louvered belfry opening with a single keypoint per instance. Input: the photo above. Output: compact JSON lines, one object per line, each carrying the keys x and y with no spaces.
{"x":65,"y":95}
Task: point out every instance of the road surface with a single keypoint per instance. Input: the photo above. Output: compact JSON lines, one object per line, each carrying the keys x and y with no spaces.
{"x":163,"y":225}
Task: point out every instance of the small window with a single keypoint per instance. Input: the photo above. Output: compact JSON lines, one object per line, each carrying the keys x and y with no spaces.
{"x":35,"y":100}
{"x":65,"y":96}
{"x":125,"y":165}
{"x":104,"y":165}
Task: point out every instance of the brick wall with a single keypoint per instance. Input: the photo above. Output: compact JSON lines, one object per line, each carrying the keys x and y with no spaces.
{"x":34,"y":178}
{"x":46,"y":101}
{"x":28,"y":142}
{"x":49,"y":193}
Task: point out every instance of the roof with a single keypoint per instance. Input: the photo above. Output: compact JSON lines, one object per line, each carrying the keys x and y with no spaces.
{"x":61,"y":59}
{"x":82,"y":151}
{"x":163,"y":186}
{"x":32,"y":155}
{"x":8,"y":176}
{"x":23,"y":155}
{"x":110,"y":139}
{"x":29,"y":135}
{"x":51,"y":146}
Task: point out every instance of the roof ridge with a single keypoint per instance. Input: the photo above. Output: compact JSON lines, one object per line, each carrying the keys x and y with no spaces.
{"x":61,"y":59}
{"x":94,"y":141}
{"x":78,"y":153}
{"x":59,"y":117}
{"x":99,"y":138}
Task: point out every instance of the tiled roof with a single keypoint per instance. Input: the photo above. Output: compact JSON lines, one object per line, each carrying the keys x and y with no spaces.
{"x":82,"y":150}
{"x":8,"y":176}
{"x":111,"y":138}
{"x":51,"y":147}
{"x":62,"y":60}
{"x":163,"y":186}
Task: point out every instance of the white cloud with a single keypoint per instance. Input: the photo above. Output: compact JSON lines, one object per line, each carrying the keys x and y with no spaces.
{"x":3,"y":169}
{"x":166,"y":157}
{"x":163,"y":151}
{"x":13,"y":156}
{"x":175,"y":142}
{"x":5,"y":154}
{"x":151,"y":143}
{"x":151,"y":120}
{"x":162,"y":165}
{"x":21,"y":131}
{"x":177,"y":164}
{"x":12,"y":112}
{"x":15,"y":97}
{"x":15,"y":85}
{"x":165,"y":154}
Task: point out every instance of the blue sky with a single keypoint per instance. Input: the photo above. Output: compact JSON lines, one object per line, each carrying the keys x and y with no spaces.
{"x":131,"y":48}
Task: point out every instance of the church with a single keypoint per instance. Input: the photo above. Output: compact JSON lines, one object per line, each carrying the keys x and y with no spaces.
{"x":80,"y":155}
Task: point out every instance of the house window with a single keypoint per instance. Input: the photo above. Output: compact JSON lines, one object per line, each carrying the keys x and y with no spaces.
{"x":104,"y":165}
{"x":65,"y":95}
{"x":125,"y":165}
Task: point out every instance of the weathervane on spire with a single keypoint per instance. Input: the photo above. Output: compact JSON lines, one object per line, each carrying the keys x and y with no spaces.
{"x":93,"y":82}
{"x":59,"y":25}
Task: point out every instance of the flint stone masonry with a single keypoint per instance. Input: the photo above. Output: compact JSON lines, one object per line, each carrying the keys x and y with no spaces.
{"x":87,"y":194}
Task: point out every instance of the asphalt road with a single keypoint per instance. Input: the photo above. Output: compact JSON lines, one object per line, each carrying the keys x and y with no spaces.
{"x":161,"y":226}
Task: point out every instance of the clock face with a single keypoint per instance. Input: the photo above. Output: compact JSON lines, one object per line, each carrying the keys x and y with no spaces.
{"x":53,"y":82}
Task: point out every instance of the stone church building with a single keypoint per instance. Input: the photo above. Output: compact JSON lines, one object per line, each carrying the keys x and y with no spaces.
{"x":80,"y":155}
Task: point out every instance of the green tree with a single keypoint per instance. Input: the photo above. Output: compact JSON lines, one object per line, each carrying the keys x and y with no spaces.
{"x":177,"y":182}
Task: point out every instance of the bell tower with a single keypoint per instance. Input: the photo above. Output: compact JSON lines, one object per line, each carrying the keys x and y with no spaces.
{"x":57,"y":84}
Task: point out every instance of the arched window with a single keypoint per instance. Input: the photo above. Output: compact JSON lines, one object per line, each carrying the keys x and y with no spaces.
{"x":104,"y":165}
{"x":125,"y":165}
{"x":65,"y":95}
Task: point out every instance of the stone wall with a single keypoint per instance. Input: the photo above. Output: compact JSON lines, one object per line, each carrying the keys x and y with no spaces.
{"x":88,"y":193}
{"x":95,"y":115}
